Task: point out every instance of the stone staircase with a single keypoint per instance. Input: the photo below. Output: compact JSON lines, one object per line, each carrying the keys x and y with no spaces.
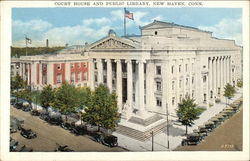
{"x":139,"y":135}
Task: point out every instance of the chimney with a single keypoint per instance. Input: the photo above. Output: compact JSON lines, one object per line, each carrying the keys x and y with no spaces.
{"x":47,"y":43}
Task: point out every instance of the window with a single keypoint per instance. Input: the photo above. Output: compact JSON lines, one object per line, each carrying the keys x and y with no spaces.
{"x":204,"y":79}
{"x":104,"y":79}
{"x":158,"y":102}
{"x":180,"y":97}
{"x":58,"y":78}
{"x":96,"y":79}
{"x":156,"y":32}
{"x":158,"y":86}
{"x":179,"y":68}
{"x":186,"y":67}
{"x":144,"y":84}
{"x":205,"y":97}
{"x":78,"y":65}
{"x":95,"y":64}
{"x":211,"y":94}
{"x":233,"y":70}
{"x":173,"y":100}
{"x":158,"y":70}
{"x":172,"y":85}
{"x":133,"y":97}
{"x":79,"y":76}
{"x":180,"y":84}
{"x":58,"y":66}
{"x":172,"y":69}
{"x":72,"y":65}
{"x":85,"y":76}
{"x":192,"y":80}
{"x":204,"y":66}
{"x":84,"y":65}
{"x":186,"y":81}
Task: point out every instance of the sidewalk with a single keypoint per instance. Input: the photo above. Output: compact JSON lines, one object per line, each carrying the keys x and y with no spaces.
{"x":176,"y":131}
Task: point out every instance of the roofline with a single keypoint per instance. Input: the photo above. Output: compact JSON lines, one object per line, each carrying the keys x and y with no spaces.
{"x":173,"y":24}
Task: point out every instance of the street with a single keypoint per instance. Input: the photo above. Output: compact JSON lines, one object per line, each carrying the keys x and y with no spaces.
{"x":48,"y":135}
{"x":227,"y":137}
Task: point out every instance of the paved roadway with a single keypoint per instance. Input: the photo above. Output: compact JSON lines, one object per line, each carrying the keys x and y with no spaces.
{"x":48,"y":135}
{"x":227,"y":137}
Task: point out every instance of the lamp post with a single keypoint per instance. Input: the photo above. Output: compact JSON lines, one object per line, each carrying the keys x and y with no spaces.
{"x":152,"y":134}
{"x":167,"y":125}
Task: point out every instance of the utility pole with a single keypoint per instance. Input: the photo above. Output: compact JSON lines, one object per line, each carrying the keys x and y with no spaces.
{"x":152,"y":133}
{"x":167,"y":125}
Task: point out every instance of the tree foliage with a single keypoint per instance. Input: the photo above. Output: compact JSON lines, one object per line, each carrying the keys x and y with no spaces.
{"x":85,"y":96}
{"x":239,"y":83}
{"x":17,"y":82}
{"x":47,"y":96}
{"x":187,"y":112}
{"x":17,"y":52}
{"x":67,"y":99}
{"x":103,"y":110}
{"x":229,"y":91}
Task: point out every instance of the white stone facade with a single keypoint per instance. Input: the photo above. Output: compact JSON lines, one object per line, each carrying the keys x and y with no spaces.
{"x":154,"y":71}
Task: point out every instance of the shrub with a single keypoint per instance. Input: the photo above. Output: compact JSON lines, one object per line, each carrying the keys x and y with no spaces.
{"x":217,"y":100}
{"x":239,"y":84}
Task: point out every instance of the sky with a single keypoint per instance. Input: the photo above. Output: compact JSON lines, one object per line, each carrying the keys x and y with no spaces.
{"x":76,"y":26}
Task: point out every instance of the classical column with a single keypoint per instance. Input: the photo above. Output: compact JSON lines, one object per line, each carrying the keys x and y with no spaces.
{"x":129,"y":83}
{"x":100,"y":71}
{"x":227,"y":72}
{"x":214,"y":76}
{"x":217,"y":75}
{"x":221,"y":75}
{"x":91,"y":74}
{"x":177,"y":89}
{"x":67,"y":71}
{"x":230,"y":70}
{"x":150,"y":102}
{"x":141,"y":86}
{"x":109,"y":74}
{"x":119,"y":83}
{"x":50,"y":71}
{"x":210,"y":74}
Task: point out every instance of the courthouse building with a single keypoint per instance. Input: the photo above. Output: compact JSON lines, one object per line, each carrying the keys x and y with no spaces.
{"x":150,"y":72}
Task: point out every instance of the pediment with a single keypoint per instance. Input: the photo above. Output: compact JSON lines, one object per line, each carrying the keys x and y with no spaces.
{"x":112,"y":43}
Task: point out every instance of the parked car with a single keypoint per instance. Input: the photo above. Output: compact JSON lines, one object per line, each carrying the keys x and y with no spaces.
{"x":55,"y":120}
{"x":68,"y":126}
{"x":35,"y":112}
{"x":44,"y":116}
{"x":192,"y":139}
{"x":18,"y":105}
{"x":62,"y":148}
{"x":13,"y":100}
{"x":209,"y":125}
{"x":13,"y":144}
{"x":108,"y":140}
{"x":18,"y":148}
{"x":79,"y":130}
{"x":28,"y":133}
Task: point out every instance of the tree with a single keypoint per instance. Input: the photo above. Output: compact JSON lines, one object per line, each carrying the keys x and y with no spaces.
{"x":47,"y":97}
{"x":17,"y":83}
{"x":239,"y":83}
{"x":229,"y":91}
{"x":187,"y":112}
{"x":85,"y":96}
{"x":103,"y":110}
{"x":67,"y":99}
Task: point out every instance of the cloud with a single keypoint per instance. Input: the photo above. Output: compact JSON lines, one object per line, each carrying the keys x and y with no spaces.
{"x":227,"y":29}
{"x":39,"y":31}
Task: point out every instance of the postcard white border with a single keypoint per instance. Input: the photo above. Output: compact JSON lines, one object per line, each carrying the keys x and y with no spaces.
{"x":5,"y":90}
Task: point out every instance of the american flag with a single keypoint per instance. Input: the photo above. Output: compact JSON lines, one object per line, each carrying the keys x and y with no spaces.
{"x":128,"y":15}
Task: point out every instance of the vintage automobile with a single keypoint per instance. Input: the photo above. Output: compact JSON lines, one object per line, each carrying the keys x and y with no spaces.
{"x":68,"y":126}
{"x":13,"y":144}
{"x":105,"y":139}
{"x":192,"y":139}
{"x":62,"y":148}
{"x":79,"y":130}
{"x":209,"y":125}
{"x":55,"y":120}
{"x":13,"y":100}
{"x":18,"y":148}
{"x":35,"y":112}
{"x":28,"y":133}
{"x":44,"y":116}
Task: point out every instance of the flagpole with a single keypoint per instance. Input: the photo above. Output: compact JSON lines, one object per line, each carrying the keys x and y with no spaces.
{"x":124,"y":22}
{"x":26,"y":45}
